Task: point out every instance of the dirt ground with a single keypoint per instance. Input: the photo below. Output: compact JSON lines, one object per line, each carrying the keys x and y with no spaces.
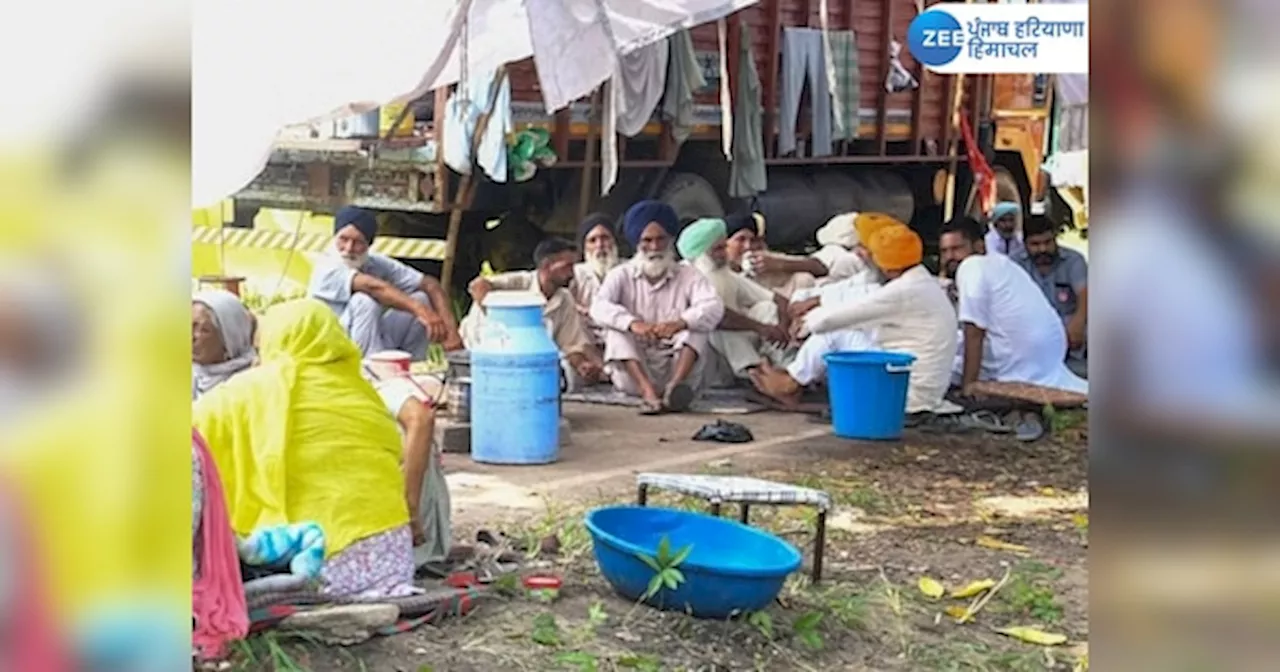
{"x":955,"y":509}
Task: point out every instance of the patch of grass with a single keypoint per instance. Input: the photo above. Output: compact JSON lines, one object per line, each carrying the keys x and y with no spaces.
{"x":847,"y":606}
{"x":850,"y":492}
{"x":265,"y":652}
{"x":951,"y":656}
{"x":1030,"y":595}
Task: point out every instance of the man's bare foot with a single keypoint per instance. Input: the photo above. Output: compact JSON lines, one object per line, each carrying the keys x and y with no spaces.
{"x":650,"y":403}
{"x":776,"y":384}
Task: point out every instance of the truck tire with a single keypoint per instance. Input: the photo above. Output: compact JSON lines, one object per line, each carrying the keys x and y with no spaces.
{"x":691,"y":196}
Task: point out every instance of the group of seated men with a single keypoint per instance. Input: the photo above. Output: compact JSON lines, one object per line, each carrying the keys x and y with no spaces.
{"x":707,"y":304}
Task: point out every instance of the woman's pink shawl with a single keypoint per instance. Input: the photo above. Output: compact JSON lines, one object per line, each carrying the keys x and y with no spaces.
{"x":32,"y":639}
{"x":217,"y":592}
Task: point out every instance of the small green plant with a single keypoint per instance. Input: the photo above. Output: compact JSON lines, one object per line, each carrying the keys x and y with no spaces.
{"x":762,"y":622}
{"x":596,"y":615}
{"x":636,"y":661}
{"x":666,"y":566}
{"x":545,"y":630}
{"x":806,"y":630}
{"x":579,"y":660}
{"x":1029,"y":593}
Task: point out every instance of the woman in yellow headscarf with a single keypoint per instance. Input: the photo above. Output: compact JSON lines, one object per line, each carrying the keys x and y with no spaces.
{"x":304,"y":438}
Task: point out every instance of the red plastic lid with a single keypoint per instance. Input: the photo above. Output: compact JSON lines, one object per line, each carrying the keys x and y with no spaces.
{"x":538,"y":581}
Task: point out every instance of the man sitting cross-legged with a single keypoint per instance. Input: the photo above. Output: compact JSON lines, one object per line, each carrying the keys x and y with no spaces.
{"x":657,"y":313}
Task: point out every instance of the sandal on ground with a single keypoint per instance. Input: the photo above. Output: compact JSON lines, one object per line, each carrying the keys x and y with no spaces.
{"x":650,"y":407}
{"x":678,"y":399}
{"x":1029,"y":428}
{"x":986,"y":421}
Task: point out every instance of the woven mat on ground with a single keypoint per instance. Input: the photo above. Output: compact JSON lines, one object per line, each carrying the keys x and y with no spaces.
{"x":1032,"y":394}
{"x":719,"y":402}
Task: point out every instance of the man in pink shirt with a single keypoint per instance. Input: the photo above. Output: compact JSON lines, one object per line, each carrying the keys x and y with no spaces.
{"x":657,"y":314}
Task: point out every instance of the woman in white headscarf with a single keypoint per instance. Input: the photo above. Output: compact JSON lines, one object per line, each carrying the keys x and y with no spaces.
{"x":221,"y":339}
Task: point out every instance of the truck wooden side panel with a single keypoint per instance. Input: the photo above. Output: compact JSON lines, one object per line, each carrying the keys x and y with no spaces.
{"x":907,"y":116}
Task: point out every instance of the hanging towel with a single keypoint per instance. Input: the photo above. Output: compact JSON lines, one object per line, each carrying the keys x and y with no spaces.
{"x":747,"y":174}
{"x":802,"y":60}
{"x":462,"y":114}
{"x":217,"y":598}
{"x":684,"y":77}
{"x":848,"y":82}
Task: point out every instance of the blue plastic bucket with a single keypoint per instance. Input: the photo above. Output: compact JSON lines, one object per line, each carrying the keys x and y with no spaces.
{"x":868,"y":393}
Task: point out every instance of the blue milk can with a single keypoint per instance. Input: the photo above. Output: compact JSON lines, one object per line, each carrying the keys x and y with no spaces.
{"x":515,"y":383}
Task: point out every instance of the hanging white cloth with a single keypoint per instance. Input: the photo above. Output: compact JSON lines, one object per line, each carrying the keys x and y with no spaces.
{"x":726,"y":102}
{"x":630,"y":97}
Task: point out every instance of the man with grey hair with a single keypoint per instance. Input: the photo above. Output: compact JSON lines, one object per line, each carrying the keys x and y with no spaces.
{"x":382,"y":303}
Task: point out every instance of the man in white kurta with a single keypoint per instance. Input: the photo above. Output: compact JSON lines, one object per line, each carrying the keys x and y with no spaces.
{"x":1010,"y":331}
{"x":750,"y":331}
{"x":909,"y":313}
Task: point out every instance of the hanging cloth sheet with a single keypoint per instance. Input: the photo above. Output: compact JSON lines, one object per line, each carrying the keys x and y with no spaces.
{"x":747,"y":175}
{"x":803,"y":60}
{"x":462,"y":114}
{"x":684,"y":77}
{"x":847,"y":93}
{"x":630,"y":97}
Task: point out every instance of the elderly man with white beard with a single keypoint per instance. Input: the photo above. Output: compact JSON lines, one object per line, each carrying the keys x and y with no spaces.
{"x":382,"y":303}
{"x":599,"y":256}
{"x":657,"y":313}
{"x":753,"y":329}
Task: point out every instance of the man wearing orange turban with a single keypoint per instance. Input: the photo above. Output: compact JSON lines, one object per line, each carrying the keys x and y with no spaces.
{"x":909,"y":313}
{"x":864,"y":226}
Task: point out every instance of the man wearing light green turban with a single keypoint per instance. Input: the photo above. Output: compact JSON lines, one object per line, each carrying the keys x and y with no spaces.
{"x":750,"y":331}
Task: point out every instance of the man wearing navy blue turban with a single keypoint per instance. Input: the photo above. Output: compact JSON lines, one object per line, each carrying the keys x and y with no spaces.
{"x":382,"y":303}
{"x":657,"y":314}
{"x":599,"y":246}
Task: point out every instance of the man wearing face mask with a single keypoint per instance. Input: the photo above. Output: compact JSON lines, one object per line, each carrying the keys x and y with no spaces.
{"x":658,"y":314}
{"x":599,"y":256}
{"x":554,"y":260}
{"x":381,"y":303}
{"x":1063,"y":275}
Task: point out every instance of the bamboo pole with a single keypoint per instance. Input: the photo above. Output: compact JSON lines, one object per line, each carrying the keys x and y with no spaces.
{"x":957,"y":96}
{"x":466,"y":187}
{"x":588,"y":166}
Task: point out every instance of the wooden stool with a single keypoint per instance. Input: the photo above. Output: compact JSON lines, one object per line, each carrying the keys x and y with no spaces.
{"x":745,"y":492}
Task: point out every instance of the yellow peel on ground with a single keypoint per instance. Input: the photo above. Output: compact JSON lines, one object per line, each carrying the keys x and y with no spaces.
{"x":930,"y":588}
{"x":973,"y":589}
{"x":956,"y":611}
{"x":1033,"y":636}
{"x":995,"y":544}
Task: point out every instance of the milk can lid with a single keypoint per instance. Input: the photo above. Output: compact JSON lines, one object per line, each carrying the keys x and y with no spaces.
{"x":513,"y":299}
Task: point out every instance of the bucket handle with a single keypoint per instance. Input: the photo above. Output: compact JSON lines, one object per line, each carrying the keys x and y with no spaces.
{"x":897,"y":368}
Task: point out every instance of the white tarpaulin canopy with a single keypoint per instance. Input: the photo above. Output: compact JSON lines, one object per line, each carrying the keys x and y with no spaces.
{"x":261,"y":65}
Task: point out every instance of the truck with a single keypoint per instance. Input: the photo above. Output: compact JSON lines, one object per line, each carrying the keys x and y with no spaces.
{"x":908,"y":158}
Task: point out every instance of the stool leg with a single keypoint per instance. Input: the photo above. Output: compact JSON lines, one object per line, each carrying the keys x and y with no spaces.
{"x":642,"y":494}
{"x":715,"y":509}
{"x":745,"y":514}
{"x":819,"y":546}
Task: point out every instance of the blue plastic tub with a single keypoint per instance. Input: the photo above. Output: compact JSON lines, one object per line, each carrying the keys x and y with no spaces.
{"x":731,"y":568}
{"x":868,"y":393}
